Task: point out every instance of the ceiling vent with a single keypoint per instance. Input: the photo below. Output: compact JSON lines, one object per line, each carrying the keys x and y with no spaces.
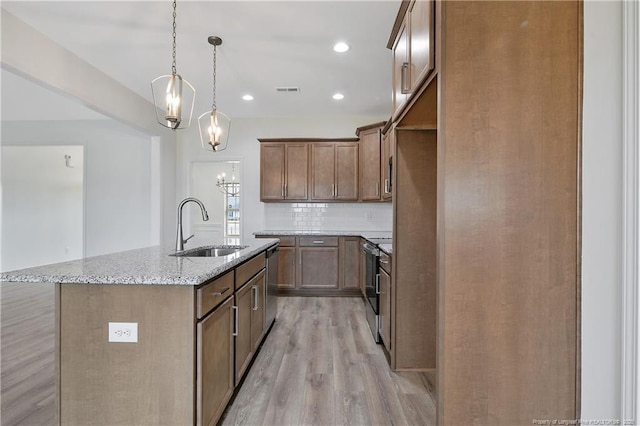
{"x":287,"y":89}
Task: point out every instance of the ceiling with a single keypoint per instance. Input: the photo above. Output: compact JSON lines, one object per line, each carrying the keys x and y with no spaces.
{"x":266,"y":44}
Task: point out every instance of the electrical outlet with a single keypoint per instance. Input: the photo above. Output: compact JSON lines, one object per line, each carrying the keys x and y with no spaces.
{"x":124,"y":332}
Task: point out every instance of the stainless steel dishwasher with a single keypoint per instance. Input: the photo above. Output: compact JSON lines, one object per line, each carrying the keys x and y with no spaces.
{"x":272,"y":284}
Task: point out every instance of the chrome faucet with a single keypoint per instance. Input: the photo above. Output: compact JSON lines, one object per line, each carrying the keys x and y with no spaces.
{"x":205,"y":216}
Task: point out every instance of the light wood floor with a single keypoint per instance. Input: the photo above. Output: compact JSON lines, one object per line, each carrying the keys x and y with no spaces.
{"x":320,"y":366}
{"x":27,"y":354}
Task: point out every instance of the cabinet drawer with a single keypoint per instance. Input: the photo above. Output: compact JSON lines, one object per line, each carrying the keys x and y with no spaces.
{"x":248,"y":269}
{"x":211,"y":295}
{"x":385,"y":262}
{"x":287,"y":241}
{"x":318,"y":241}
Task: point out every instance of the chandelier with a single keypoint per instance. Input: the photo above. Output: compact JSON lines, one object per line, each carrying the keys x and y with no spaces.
{"x":232,"y":188}
{"x":168,"y":94}
{"x":214,"y":125}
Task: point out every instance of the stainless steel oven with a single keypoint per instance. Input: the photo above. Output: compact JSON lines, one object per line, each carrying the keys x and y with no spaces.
{"x":372,"y":288}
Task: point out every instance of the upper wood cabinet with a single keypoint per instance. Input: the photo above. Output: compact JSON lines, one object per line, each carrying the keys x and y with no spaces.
{"x":370,"y":152}
{"x":388,"y":143}
{"x":334,"y":171}
{"x":284,"y":170}
{"x":421,"y":37}
{"x":400,"y":76}
{"x":413,"y":49}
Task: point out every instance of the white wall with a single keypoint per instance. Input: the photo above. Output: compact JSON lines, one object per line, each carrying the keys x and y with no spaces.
{"x":244,"y":146}
{"x":118,"y":177}
{"x":43,"y":205}
{"x":29,"y":54}
{"x":602,"y":210}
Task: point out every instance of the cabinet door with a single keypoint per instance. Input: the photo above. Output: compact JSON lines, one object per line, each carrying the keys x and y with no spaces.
{"x":215,"y":374}
{"x":318,"y":267}
{"x":297,"y":172}
{"x":387,"y":153}
{"x":385,"y":308}
{"x":287,"y":267}
{"x":346,"y":180}
{"x":258,"y":287}
{"x":350,"y":262}
{"x":243,"y":342}
{"x":322,"y":171}
{"x":421,"y":41}
{"x":272,"y":162}
{"x":370,"y":165}
{"x":400,"y":69}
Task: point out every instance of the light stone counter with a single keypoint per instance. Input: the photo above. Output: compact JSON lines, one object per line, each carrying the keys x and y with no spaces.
{"x":387,"y":248}
{"x":363,"y":234}
{"x":152,"y":265}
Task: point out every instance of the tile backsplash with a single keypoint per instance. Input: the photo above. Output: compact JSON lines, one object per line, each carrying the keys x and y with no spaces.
{"x":328,"y":216}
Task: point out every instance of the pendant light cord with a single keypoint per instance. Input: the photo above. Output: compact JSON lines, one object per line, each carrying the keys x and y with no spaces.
{"x":213,"y":106}
{"x":173,"y":65}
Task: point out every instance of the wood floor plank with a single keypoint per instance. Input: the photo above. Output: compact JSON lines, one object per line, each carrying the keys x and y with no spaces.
{"x":318,"y":402}
{"x":351,"y":408}
{"x":27,"y":354}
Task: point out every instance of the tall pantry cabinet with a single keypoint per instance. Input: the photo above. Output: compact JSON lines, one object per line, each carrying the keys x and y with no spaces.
{"x":500,"y":114}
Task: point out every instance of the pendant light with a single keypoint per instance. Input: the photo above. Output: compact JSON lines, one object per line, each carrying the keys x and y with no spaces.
{"x":169,"y":98}
{"x":214,"y":125}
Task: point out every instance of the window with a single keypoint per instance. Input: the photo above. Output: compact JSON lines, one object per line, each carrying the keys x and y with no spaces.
{"x":232,"y":209}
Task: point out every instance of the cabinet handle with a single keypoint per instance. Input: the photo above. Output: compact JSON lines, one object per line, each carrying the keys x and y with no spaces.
{"x":386,"y":186}
{"x":286,"y":191}
{"x":384,"y":261}
{"x":333,"y":190}
{"x":255,"y":297}
{"x":282,"y":191}
{"x":377,"y":189}
{"x":318,"y":241}
{"x":377,"y":283}
{"x":403,"y":78}
{"x":235,"y":320}
{"x":220,"y":293}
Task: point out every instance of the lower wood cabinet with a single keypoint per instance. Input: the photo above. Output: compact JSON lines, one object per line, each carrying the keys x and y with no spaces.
{"x":317,"y":265}
{"x":243,"y":341}
{"x":250,"y":312}
{"x":258,"y":309}
{"x":318,"y":262}
{"x":215,"y":359}
{"x":287,"y":263}
{"x":350,"y":248}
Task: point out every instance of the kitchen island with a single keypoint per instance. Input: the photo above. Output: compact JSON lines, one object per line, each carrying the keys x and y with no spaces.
{"x":143,"y":337}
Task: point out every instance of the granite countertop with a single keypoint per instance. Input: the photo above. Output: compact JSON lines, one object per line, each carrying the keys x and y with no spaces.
{"x":387,"y":248}
{"x":152,"y":265}
{"x":363,"y":234}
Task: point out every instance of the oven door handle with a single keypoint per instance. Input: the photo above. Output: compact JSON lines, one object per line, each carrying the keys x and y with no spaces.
{"x":377,"y":283}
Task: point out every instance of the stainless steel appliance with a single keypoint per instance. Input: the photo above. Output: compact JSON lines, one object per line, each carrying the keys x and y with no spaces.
{"x":272,"y":284}
{"x":372,"y":287}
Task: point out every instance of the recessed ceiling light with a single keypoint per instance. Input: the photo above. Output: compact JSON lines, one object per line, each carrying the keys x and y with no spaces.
{"x":247,"y":97}
{"x":338,"y":96}
{"x":341,"y":47}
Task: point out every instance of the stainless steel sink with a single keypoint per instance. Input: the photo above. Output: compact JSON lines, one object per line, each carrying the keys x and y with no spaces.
{"x":214,"y":251}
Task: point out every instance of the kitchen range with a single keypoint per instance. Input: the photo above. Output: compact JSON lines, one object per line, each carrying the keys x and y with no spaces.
{"x":371,"y":251}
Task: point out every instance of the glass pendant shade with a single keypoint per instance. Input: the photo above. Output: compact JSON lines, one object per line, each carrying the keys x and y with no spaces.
{"x":214,"y":130}
{"x":173,"y":98}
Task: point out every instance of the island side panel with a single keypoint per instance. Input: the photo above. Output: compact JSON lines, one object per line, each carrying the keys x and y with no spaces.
{"x":148,"y":382}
